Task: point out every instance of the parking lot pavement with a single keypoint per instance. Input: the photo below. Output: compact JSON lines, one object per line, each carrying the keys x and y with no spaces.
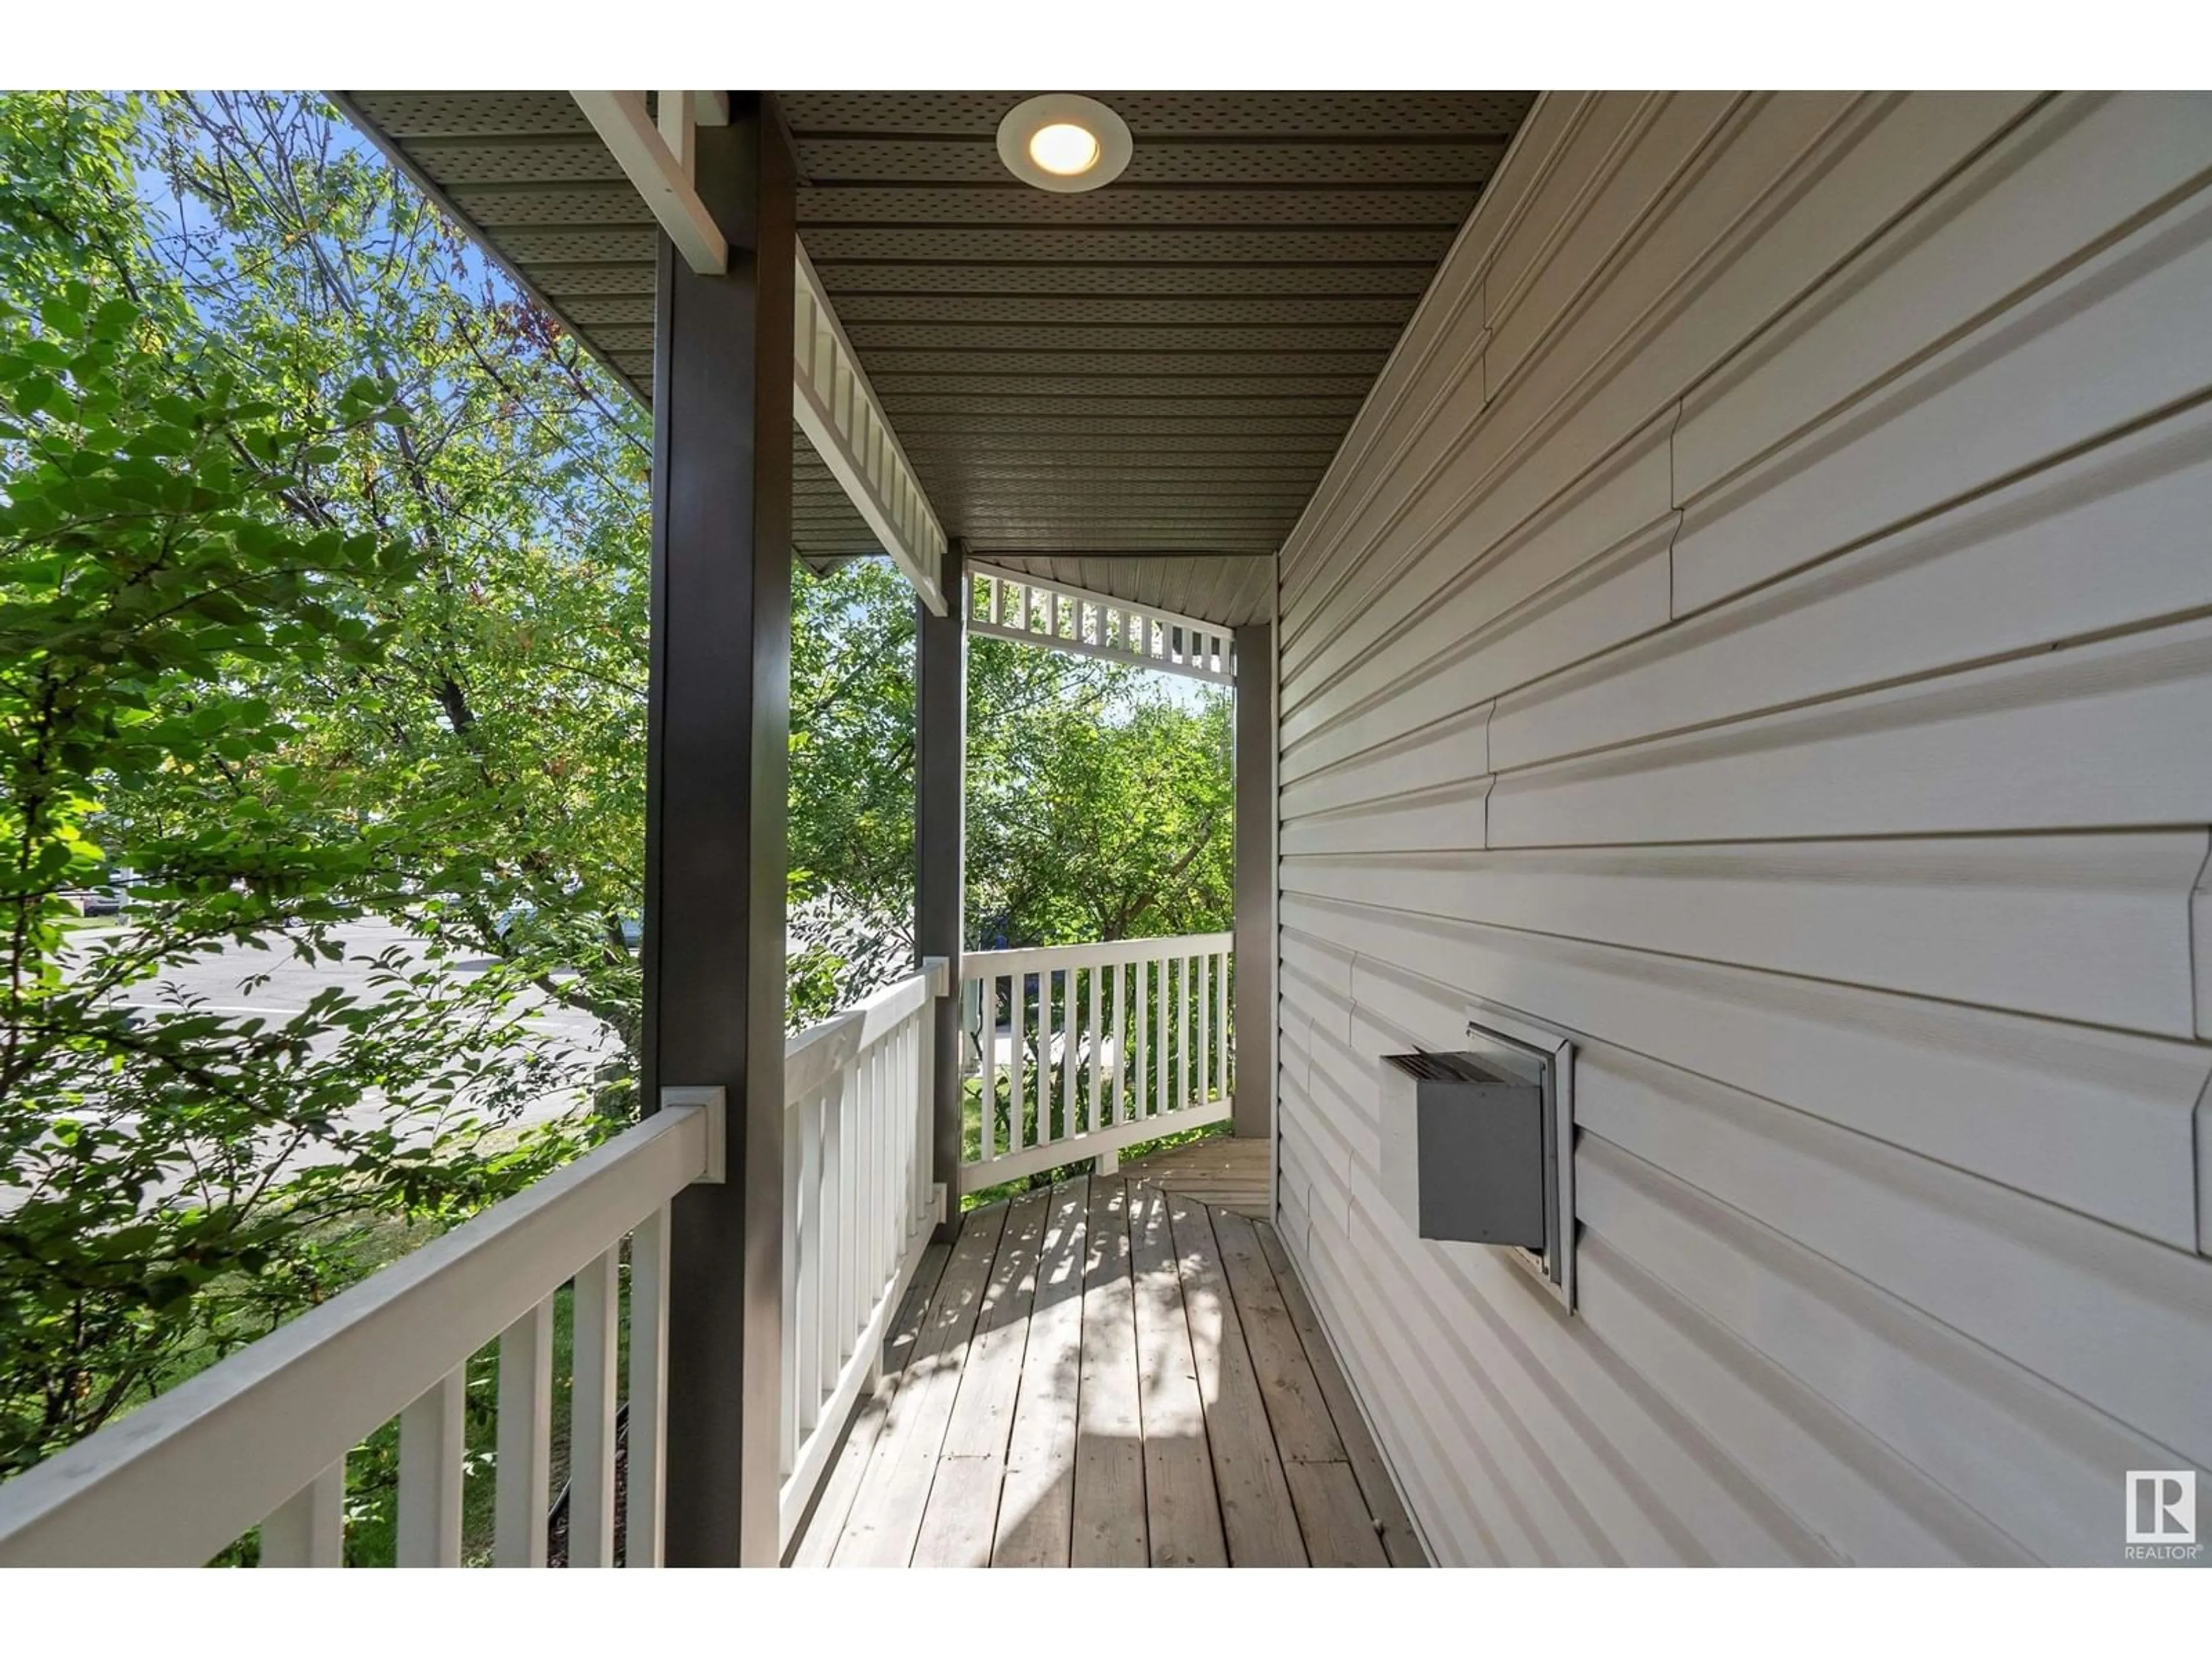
{"x":224,"y":983}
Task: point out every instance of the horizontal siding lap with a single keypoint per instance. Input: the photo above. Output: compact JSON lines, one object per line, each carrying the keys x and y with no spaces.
{"x":2110,"y":538}
{"x":1608,"y":600}
{"x":1875,"y":1508}
{"x":1760,"y":622}
{"x":2033,"y":1461}
{"x":1341,"y":1132}
{"x":1665,"y":150}
{"x":2112,"y":340}
{"x":1885,"y":1509}
{"x":1397,"y":525}
{"x":2021,"y":1276}
{"x":2083,"y":165}
{"x":1423,"y":410}
{"x":1451,"y":750}
{"x":1653,"y":1489}
{"x":1425,"y":820}
{"x":2113,"y":733}
{"x":1458,"y":594}
{"x":2084,"y":927}
{"x":1520,"y":1496}
{"x":2095,"y":1120}
{"x":1534,"y":154}
{"x":2118,"y":1321}
{"x":1585,"y":393}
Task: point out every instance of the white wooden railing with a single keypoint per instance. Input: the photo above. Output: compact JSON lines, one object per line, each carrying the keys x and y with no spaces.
{"x":859,"y":1209}
{"x":261,"y":1440}
{"x":1075,"y":1051}
{"x":1013,"y":606}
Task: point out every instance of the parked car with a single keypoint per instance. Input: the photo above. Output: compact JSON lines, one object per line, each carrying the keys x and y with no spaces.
{"x":633,"y":929}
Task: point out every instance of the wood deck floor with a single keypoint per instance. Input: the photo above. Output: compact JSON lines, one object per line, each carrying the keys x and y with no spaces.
{"x":1108,"y":1373}
{"x":1221,"y":1171}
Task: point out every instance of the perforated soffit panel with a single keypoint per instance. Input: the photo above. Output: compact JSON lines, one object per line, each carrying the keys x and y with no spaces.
{"x":1161,"y":366}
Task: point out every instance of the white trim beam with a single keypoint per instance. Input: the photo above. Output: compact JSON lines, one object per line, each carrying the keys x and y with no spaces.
{"x":832,"y":398}
{"x":660,"y":162}
{"x":1011,"y":604}
{"x":846,"y":423}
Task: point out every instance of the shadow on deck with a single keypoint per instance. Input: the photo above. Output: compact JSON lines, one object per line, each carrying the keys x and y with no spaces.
{"x":1108,"y":1373}
{"x":1224,"y":1172}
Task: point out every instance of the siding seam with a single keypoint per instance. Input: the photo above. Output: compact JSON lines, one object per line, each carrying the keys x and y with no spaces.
{"x":1374,"y":907}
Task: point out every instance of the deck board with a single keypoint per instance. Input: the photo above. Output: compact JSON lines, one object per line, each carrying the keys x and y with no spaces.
{"x":1257,"y":1516}
{"x":1037,"y":1504}
{"x":1400,"y":1542}
{"x":1110,"y":1528}
{"x":1182,"y":1513}
{"x":1303,"y":1430}
{"x":834,"y":1504}
{"x":1221,"y":1171}
{"x":1109,"y":1373}
{"x":961,"y":1510}
{"x":894,"y":1490}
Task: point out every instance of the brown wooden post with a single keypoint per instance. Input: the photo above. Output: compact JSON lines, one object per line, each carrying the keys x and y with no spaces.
{"x":940,"y":705}
{"x":1254,"y":1016}
{"x":715,"y":805}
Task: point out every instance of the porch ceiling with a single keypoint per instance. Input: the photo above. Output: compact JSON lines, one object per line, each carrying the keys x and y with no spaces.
{"x":1163,"y":366}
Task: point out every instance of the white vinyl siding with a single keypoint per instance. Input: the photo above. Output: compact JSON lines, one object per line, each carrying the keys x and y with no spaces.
{"x":1761,"y":622}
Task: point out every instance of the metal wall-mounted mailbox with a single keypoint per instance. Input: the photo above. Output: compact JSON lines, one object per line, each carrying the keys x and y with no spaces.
{"x":1463,"y":1145}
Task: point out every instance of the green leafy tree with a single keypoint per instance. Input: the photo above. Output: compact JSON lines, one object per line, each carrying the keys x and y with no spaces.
{"x":505,"y":719}
{"x":1098,"y":793}
{"x":172,"y":1174}
{"x":322,"y":597}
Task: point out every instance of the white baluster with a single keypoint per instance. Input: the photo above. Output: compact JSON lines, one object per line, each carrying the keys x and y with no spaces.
{"x":1204,"y":1053}
{"x":925,"y":1122}
{"x":1068,"y":1036}
{"x":526,"y":1439}
{"x":646,"y":1458}
{"x":308,"y":1528}
{"x":1163,"y":1034}
{"x":1018,"y":1027}
{"x":808,"y":1237}
{"x":988,"y":1002}
{"x":430,"y":1450}
{"x":1090,"y":1051}
{"x":1119,"y":1042}
{"x":839,"y":1149}
{"x":592,"y":1401}
{"x":794,"y":1141}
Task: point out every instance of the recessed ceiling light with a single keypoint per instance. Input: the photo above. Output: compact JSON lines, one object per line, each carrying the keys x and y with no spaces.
{"x":1063,"y":149}
{"x":1064,"y":142}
